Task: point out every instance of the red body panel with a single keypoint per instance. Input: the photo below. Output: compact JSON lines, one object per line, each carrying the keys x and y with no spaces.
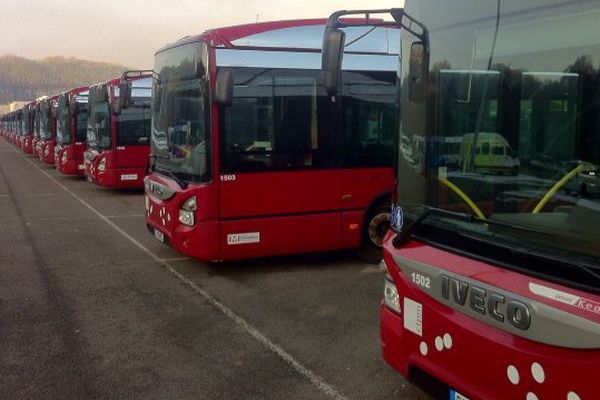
{"x":72,"y":163}
{"x":46,"y":154}
{"x":477,"y":362}
{"x":200,"y":241}
{"x":302,"y":211}
{"x":27,"y":144}
{"x":35,"y":147}
{"x":115,"y":175}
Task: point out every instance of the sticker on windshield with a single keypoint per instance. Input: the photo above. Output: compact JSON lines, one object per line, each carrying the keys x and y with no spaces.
{"x":243,"y":238}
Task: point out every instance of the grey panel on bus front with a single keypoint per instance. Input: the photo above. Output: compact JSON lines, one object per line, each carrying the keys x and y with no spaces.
{"x":302,"y":60}
{"x":360,"y":39}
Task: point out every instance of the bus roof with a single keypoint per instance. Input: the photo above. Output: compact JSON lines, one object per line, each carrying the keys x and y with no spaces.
{"x":302,"y":34}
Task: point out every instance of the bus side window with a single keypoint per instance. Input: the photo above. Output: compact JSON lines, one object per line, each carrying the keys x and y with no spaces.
{"x":369,"y":118}
{"x":275,"y":122}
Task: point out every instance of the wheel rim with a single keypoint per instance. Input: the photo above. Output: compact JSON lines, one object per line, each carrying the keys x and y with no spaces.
{"x":378,"y":227}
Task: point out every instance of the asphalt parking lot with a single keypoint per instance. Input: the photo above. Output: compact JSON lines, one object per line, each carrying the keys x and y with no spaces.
{"x":92,"y":306}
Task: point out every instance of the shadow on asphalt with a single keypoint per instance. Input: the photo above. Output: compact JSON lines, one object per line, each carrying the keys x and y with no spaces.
{"x":268,"y":265}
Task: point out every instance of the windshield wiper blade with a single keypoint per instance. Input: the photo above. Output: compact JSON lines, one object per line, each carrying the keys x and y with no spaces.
{"x":182,"y":184}
{"x":407,"y":231}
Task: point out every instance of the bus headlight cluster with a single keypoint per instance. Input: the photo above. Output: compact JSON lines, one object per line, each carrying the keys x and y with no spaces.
{"x":391,"y":298}
{"x":187,"y":212}
{"x":46,"y":150}
{"x":102,"y":165}
{"x":64,"y":157}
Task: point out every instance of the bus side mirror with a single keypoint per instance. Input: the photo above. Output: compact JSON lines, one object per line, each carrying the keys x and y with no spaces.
{"x":417,"y":73}
{"x":224,"y":89}
{"x":331,"y":61}
{"x":124,"y":97}
{"x":72,"y":108}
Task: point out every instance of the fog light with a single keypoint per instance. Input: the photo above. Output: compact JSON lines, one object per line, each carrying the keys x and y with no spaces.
{"x":187,"y":212}
{"x":186,"y":217}
{"x":102,"y":165}
{"x":390,"y":296}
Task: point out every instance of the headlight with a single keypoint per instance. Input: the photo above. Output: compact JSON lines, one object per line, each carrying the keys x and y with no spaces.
{"x":64,"y":156}
{"x":46,"y":150}
{"x":187,"y":212}
{"x":147,"y":203}
{"x":102,"y":165}
{"x":390,"y":296}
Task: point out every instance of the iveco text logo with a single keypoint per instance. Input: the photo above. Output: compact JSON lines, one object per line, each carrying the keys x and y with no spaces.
{"x":486,"y":302}
{"x":155,"y":188}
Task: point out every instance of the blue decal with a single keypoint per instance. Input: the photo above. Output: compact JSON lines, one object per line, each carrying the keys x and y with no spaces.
{"x":397,"y":217}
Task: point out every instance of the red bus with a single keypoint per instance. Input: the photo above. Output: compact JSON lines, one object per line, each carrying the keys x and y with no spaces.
{"x":47,"y":142}
{"x":28,"y":134}
{"x":118,"y":139}
{"x":251,"y":158}
{"x":71,"y":131}
{"x":492,"y":275}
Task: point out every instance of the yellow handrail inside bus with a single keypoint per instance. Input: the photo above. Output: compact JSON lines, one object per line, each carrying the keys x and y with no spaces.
{"x":463,"y":196}
{"x":556,"y":187}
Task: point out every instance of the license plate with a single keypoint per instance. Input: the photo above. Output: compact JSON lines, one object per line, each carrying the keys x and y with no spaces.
{"x":159,"y":235}
{"x":454,"y":395}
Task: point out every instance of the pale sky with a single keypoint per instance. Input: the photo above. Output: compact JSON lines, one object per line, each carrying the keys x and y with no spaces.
{"x":130,"y":31}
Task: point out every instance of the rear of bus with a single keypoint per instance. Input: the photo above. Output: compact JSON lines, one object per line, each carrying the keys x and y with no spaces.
{"x":492,"y":279}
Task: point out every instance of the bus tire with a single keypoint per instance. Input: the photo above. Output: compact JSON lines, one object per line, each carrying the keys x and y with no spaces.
{"x":376,"y":225}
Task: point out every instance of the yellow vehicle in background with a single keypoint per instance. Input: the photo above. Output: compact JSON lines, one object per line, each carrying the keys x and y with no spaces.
{"x":488,"y":152}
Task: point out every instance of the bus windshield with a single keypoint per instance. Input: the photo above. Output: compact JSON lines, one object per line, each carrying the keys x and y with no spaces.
{"x":63,"y":129}
{"x":82,"y":122}
{"x":506,"y":128}
{"x":36,"y":122}
{"x":180,"y":118}
{"x":98,"y":128}
{"x":45,"y":130}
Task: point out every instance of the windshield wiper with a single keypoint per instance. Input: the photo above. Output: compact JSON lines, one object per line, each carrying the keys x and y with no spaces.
{"x":152,"y":161}
{"x":408,"y":230}
{"x":182,"y":184}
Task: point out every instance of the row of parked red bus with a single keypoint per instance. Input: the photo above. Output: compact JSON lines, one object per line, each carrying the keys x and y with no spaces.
{"x":83,"y":132}
{"x":485,"y":116}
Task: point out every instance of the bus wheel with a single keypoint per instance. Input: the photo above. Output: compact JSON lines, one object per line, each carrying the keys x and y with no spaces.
{"x":376,"y":227}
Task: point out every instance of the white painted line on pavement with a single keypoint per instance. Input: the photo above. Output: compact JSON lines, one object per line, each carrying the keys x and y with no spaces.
{"x":251,"y":330}
{"x":126,"y":216}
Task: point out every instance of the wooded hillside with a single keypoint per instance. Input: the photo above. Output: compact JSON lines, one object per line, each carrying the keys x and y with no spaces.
{"x":24,"y":79}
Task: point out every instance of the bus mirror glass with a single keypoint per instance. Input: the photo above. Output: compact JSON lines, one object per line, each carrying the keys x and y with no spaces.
{"x":116,"y":106}
{"x":72,"y":108}
{"x":331,"y":62}
{"x":417,"y":72}
{"x":124,"y":96}
{"x":224,"y":89}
